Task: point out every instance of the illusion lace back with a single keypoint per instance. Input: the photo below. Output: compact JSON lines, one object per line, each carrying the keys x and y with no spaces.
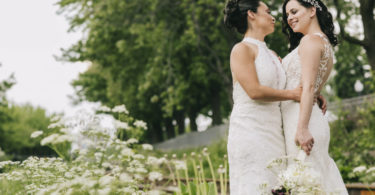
{"x":255,"y":130}
{"x":319,"y":158}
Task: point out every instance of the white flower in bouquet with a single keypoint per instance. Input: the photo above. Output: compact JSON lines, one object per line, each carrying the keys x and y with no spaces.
{"x":298,"y":178}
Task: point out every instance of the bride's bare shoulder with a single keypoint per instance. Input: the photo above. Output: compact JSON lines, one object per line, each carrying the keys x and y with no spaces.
{"x":311,"y":41}
{"x":243,"y":50}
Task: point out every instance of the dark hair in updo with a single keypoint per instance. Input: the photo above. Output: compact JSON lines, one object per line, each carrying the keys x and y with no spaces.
{"x":325,"y":23}
{"x":235,"y":13}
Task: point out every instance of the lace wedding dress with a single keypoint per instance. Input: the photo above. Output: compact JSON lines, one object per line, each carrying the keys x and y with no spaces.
{"x":319,"y":128}
{"x":255,"y":129}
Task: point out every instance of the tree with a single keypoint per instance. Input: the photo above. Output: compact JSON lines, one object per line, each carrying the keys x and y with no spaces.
{"x":366,"y":8}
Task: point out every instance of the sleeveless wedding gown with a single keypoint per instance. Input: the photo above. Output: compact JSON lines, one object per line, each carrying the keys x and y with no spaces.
{"x":319,"y":128}
{"x":255,"y":129}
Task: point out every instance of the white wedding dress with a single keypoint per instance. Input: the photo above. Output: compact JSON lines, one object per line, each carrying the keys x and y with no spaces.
{"x":255,"y":129}
{"x":319,"y":128}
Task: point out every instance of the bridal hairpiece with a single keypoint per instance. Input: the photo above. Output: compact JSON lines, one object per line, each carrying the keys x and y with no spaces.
{"x":314,"y":3}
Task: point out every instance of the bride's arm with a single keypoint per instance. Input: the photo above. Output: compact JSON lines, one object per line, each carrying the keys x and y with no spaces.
{"x":243,"y":67}
{"x":310,"y":51}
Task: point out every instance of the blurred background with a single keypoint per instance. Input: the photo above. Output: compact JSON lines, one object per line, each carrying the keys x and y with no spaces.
{"x":168,"y":62}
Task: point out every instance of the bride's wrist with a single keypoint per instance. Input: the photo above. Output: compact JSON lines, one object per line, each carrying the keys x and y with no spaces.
{"x":302,"y":129}
{"x":292,"y":95}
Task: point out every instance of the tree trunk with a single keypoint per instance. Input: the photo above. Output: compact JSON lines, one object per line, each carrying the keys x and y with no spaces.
{"x":367,"y":13}
{"x":193,"y":122}
{"x":169,"y":128}
{"x":368,"y":21}
{"x":216,"y":108}
{"x":156,"y":135}
{"x":180,"y":118}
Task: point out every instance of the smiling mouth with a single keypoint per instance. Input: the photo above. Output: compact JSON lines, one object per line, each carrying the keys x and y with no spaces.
{"x":293,"y":24}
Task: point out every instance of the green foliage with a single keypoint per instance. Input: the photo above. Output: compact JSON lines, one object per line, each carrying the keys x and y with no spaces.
{"x":169,"y":60}
{"x":350,"y":68}
{"x":23,"y":120}
{"x":352,"y":140}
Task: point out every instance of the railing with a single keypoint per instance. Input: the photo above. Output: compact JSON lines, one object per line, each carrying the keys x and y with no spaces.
{"x":351,"y":104}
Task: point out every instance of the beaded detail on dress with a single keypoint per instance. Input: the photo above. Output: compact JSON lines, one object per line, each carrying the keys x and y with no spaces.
{"x":292,"y":66}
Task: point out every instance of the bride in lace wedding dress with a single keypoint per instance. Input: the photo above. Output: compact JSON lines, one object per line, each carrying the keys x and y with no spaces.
{"x":255,"y":131}
{"x":309,"y":27}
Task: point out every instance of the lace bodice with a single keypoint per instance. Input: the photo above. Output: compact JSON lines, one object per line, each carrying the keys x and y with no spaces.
{"x":269,"y":71}
{"x":292,"y":66}
{"x":318,"y":125}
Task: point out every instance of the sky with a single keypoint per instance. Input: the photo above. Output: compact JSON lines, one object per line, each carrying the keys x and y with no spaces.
{"x":31,"y":34}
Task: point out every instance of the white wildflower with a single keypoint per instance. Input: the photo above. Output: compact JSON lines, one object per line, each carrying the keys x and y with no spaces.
{"x":151,"y":160}
{"x":155,"y":176}
{"x":62,"y":139}
{"x":140,"y":170}
{"x":372,"y":169}
{"x":104,"y":109}
{"x":359,"y":169}
{"x":127,"y":152}
{"x":104,"y":191}
{"x":138,"y":177}
{"x":138,"y":156}
{"x":36,"y":134}
{"x":98,"y":155}
{"x":2,"y":153}
{"x":132,"y":141}
{"x":128,"y":190}
{"x":49,"y":139}
{"x":54,"y":125}
{"x":141,"y":124}
{"x":147,"y":147}
{"x":180,"y":165}
{"x":153,"y":192}
{"x":120,"y":109}
{"x":106,"y":180}
{"x":120,"y":125}
{"x":55,"y":118}
{"x":124,"y":177}
{"x":221,"y":170}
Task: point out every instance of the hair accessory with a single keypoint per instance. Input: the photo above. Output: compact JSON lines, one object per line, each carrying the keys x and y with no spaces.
{"x":314,"y":3}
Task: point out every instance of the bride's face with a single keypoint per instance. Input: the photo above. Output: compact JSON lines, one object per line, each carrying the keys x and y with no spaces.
{"x":299,"y":17}
{"x":263,"y":19}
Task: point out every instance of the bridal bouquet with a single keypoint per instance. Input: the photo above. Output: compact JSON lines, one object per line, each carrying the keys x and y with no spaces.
{"x":298,"y":178}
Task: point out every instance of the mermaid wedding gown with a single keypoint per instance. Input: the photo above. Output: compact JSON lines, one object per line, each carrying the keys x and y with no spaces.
{"x":255,"y":129}
{"x":319,"y":158}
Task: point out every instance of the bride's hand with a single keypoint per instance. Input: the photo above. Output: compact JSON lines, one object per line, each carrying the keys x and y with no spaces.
{"x":297,"y":92}
{"x":305,"y":140}
{"x":322,"y":102}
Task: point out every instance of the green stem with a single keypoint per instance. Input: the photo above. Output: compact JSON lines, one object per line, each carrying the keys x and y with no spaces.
{"x":187,"y":181}
{"x":212,"y":172}
{"x":196,"y":179}
{"x":179,"y":183}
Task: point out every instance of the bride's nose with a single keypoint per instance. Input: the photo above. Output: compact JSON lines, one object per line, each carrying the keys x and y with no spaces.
{"x":289,"y":19}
